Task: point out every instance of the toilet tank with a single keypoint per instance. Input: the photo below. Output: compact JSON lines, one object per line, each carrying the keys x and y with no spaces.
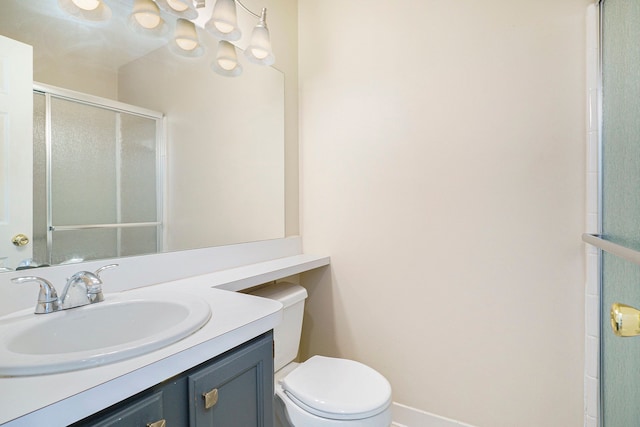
{"x":286,"y":335}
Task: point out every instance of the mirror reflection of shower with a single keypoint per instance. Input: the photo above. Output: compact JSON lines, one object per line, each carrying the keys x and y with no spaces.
{"x":225,"y":138}
{"x":97,"y":188}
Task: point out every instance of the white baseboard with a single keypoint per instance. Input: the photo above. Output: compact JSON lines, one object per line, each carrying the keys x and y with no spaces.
{"x":406,"y":416}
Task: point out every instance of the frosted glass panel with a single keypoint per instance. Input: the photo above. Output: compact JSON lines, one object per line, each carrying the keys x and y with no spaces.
{"x":84,"y":244}
{"x":4,"y":146}
{"x":621,"y":204}
{"x":83,"y":154}
{"x":104,"y":180}
{"x":103,"y":243}
{"x":39,"y":180}
{"x":621,"y":130}
{"x":4,"y":166}
{"x":621,"y":367}
{"x":138,"y":169}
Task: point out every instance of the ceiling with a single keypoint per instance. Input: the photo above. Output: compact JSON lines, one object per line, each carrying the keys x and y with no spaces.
{"x":56,"y":34}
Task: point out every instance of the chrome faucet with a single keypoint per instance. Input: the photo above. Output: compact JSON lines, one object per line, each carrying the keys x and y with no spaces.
{"x":82,"y":288}
{"x":47,"y":298}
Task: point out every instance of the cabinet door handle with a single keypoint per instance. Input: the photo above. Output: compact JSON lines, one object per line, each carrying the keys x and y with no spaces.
{"x":210,"y":398}
{"x":161,"y":423}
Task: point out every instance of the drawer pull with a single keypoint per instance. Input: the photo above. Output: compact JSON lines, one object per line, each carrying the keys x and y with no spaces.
{"x":210,"y":398}
{"x":161,"y":423}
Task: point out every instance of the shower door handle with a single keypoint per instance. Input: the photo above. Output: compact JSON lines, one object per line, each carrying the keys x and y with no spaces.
{"x":625,"y":320}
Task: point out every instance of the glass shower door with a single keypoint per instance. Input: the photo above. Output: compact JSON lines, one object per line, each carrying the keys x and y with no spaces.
{"x":620,"y":358}
{"x":98,"y":181}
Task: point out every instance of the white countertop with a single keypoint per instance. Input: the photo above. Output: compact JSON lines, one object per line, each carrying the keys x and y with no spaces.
{"x":213,"y":273}
{"x":61,"y":399}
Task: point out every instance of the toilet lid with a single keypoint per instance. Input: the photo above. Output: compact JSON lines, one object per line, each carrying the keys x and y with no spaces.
{"x":337,"y":388}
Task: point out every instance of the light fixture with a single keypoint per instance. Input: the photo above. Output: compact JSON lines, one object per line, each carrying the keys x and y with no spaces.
{"x":145,"y":18}
{"x":180,"y":8}
{"x":259,"y":49}
{"x":226,"y":62}
{"x":224,"y":21}
{"x":87,"y":4}
{"x":185,"y":40}
{"x":88,"y":10}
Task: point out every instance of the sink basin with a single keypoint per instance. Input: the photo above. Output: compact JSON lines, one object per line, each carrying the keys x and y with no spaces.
{"x":125,"y":325}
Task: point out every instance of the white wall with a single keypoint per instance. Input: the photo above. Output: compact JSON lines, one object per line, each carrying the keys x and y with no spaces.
{"x":442,"y":159}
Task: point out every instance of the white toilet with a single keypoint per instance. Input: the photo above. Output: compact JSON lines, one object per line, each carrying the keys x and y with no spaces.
{"x":323,"y":391}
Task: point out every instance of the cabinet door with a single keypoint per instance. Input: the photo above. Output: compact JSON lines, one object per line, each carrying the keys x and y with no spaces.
{"x":237,"y":390}
{"x":144,"y":412}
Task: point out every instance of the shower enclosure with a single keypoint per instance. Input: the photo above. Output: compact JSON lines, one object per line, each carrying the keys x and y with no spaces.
{"x":97,"y":188}
{"x":619,"y":214}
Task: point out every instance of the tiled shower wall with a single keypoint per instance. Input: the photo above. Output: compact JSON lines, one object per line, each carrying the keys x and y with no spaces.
{"x":592,"y":287}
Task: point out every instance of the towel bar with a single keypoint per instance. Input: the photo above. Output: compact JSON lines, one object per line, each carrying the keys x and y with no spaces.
{"x":613,"y":248}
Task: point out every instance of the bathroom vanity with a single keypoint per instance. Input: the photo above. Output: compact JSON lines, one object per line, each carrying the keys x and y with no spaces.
{"x":235,"y":388}
{"x":224,"y":354}
{"x":232,"y":353}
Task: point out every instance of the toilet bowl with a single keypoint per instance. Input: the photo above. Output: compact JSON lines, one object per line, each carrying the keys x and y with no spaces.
{"x":322,"y":391}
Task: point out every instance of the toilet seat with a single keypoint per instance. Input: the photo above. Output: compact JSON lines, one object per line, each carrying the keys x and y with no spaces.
{"x":337,"y":389}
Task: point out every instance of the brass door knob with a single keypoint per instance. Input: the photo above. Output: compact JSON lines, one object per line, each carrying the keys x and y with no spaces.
{"x":20,"y":240}
{"x":625,"y":320}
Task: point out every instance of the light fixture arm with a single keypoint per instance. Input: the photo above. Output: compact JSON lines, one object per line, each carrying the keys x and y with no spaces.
{"x":248,"y":10}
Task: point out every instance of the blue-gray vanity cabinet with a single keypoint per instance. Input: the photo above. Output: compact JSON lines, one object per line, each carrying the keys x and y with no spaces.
{"x":234,"y":389}
{"x":146,"y":411}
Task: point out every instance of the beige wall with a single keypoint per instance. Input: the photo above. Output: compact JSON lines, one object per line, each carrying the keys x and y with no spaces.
{"x":246,"y":197}
{"x":76,"y":76}
{"x":442,"y":158}
{"x":238,"y":169}
{"x":282,"y":20}
{"x":283,"y":27}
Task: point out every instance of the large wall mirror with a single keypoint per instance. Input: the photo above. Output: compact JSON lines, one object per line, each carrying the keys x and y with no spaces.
{"x":204,"y":167}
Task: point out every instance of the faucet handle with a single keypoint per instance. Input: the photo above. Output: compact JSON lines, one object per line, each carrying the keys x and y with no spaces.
{"x":96,"y":285}
{"x":93,"y":282}
{"x":47,"y":298}
{"x":103,"y":268}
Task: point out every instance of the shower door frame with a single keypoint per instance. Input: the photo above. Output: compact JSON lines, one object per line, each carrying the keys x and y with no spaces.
{"x":118,"y":107}
{"x":598,"y":239}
